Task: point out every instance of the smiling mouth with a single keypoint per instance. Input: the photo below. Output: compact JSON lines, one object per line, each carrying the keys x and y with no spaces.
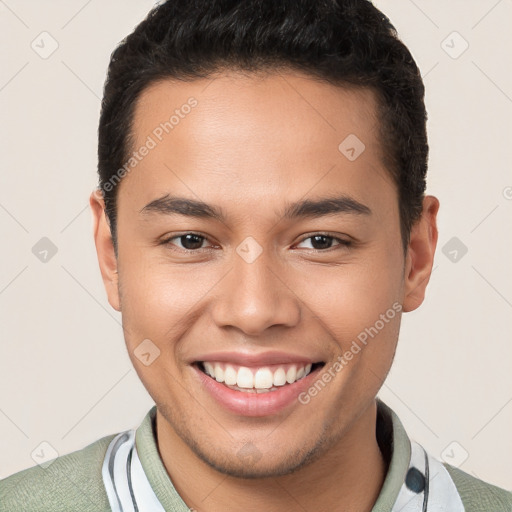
{"x":261,"y":379}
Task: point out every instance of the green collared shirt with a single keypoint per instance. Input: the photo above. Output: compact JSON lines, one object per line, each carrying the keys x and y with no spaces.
{"x":74,"y":481}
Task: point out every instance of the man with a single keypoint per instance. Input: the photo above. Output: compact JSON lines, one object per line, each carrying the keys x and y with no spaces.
{"x":261,"y":225}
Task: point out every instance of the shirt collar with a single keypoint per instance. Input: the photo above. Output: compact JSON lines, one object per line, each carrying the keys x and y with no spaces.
{"x":396,"y":448}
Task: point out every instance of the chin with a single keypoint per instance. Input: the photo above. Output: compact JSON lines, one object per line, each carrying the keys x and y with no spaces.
{"x":249,"y":470}
{"x":251,"y":463}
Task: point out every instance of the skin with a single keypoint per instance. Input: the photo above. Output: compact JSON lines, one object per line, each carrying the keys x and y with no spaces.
{"x":253,"y":144}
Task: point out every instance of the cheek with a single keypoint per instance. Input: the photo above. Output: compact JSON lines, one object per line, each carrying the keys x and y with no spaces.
{"x":157,"y":297}
{"x":350,"y":298}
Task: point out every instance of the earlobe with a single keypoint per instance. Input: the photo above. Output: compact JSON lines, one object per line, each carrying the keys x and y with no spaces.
{"x":105,"y":248}
{"x":420,"y":254}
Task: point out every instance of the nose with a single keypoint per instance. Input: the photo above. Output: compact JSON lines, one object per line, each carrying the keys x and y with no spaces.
{"x":254,"y":296}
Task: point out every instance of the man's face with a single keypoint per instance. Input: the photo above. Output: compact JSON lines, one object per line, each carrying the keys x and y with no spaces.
{"x":263,"y":293}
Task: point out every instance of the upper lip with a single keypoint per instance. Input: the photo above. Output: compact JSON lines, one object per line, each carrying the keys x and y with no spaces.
{"x":251,"y":359}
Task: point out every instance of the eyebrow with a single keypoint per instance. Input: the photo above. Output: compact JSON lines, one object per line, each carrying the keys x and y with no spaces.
{"x":307,"y":208}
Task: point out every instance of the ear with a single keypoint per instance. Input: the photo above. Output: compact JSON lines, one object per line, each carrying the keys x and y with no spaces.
{"x":420,"y":254}
{"x":105,"y":248}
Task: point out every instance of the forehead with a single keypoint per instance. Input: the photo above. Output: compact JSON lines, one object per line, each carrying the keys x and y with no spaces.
{"x":256,"y":134}
{"x":260,"y":101}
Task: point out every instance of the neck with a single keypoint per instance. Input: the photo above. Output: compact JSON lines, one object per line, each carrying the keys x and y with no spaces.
{"x":347,"y":477}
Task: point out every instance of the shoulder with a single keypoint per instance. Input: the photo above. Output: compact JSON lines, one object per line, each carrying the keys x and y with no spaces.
{"x":70,"y":482}
{"x":478,"y":495}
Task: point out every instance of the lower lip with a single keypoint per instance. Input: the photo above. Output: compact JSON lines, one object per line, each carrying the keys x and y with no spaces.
{"x":255,"y":404}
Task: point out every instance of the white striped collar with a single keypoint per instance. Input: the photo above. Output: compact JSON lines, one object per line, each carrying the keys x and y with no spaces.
{"x":127,"y":486}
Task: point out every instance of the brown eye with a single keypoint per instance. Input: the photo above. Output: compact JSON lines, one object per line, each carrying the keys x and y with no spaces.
{"x":187,"y":241}
{"x":322,"y":242}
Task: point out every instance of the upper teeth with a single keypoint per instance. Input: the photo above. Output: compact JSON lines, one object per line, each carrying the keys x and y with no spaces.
{"x":257,"y":378}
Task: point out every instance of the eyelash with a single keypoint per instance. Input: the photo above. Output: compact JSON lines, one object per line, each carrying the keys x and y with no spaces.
{"x":341,"y":242}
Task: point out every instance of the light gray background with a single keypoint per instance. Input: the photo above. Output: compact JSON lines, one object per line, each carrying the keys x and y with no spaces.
{"x":65,"y":376}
